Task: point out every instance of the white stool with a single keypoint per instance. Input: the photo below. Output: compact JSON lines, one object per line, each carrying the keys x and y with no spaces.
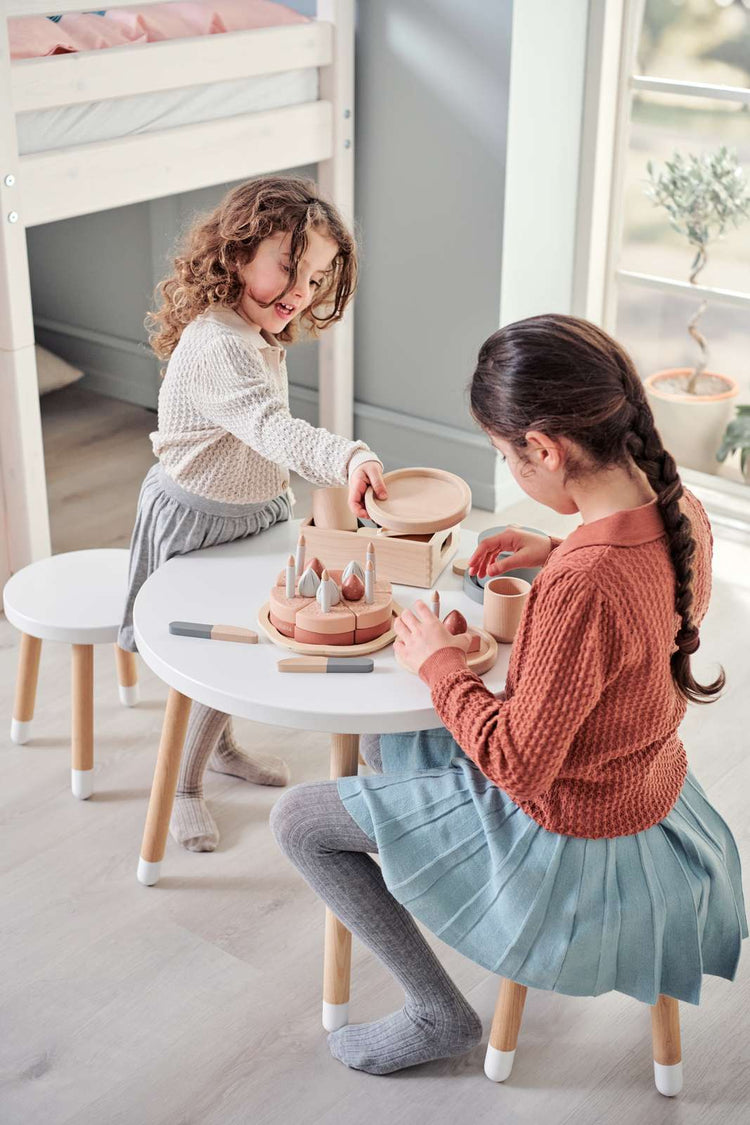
{"x":78,"y":598}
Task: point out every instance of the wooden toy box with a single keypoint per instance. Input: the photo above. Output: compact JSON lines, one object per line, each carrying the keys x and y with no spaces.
{"x":411,"y":560}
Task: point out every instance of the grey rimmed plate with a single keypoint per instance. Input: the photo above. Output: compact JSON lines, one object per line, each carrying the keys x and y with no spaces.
{"x":474,"y":587}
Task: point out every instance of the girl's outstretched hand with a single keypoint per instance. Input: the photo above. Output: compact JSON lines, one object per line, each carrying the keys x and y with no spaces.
{"x":420,"y":634}
{"x":368,"y":473}
{"x":526,"y":549}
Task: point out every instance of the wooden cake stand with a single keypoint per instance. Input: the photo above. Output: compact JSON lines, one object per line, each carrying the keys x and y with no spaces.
{"x":479,"y":662}
{"x":273,"y":634}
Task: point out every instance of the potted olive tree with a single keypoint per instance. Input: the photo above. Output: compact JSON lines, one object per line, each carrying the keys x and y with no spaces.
{"x":704,"y":196}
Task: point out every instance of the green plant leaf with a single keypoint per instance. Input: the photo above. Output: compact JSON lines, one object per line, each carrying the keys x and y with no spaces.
{"x":737,"y":435}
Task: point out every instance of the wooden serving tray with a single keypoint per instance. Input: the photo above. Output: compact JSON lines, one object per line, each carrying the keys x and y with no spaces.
{"x":479,"y":662}
{"x":273,"y":634}
{"x":411,"y":560}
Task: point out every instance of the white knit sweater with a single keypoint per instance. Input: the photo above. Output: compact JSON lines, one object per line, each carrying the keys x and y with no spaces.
{"x":225,"y":432}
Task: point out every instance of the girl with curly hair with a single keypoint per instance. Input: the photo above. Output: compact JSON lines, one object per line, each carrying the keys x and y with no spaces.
{"x":555,"y":835}
{"x":272,"y":259}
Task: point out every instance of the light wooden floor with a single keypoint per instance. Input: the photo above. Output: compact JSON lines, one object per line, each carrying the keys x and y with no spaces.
{"x":197,"y":1002}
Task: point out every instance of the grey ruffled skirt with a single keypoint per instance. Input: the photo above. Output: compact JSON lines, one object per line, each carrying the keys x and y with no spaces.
{"x":643,"y":914}
{"x":171,"y":521}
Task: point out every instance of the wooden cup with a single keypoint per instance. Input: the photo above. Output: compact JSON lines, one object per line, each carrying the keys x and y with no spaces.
{"x":504,"y":599}
{"x":330,"y":509}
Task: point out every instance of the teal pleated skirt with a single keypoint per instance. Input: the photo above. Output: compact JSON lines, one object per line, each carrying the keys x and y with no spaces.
{"x":643,"y":914}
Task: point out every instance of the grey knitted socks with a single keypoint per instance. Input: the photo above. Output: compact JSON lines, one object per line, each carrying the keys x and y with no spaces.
{"x":261,"y":769}
{"x":209,"y":741}
{"x":192,"y":824}
{"x":416,"y":1034}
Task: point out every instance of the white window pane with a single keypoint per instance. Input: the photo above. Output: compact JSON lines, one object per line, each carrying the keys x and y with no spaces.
{"x":660,"y":125}
{"x":696,"y":41}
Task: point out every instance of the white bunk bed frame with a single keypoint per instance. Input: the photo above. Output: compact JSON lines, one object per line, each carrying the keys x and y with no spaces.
{"x":78,"y":180}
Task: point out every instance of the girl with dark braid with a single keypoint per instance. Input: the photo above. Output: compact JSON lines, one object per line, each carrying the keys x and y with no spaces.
{"x":554,"y":835}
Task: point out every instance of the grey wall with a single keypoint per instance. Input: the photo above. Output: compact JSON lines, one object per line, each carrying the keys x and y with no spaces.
{"x":432,"y":84}
{"x":92,"y":282}
{"x":431,"y":116}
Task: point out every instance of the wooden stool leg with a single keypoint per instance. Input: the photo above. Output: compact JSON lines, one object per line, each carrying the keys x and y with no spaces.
{"x":28,"y":675}
{"x":501,"y":1050}
{"x":82,"y":732}
{"x":338,"y":940}
{"x":163,"y":787}
{"x":665,"y":1033}
{"x":127,"y":676}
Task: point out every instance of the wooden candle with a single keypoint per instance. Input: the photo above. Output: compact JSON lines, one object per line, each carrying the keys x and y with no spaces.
{"x":369,"y":581}
{"x":300,"y":558}
{"x":291,"y":576}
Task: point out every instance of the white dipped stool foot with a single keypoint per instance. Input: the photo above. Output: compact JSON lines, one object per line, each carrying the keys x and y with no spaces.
{"x":82,"y":783}
{"x":668,"y":1079}
{"x":498,"y":1064}
{"x":20,"y":732}
{"x":148,"y":873}
{"x":129,"y":696}
{"x":335,"y":1015}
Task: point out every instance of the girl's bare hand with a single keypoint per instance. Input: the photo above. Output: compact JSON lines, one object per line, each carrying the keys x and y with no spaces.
{"x":526,"y":549}
{"x":370,"y":473}
{"x":420,"y":634}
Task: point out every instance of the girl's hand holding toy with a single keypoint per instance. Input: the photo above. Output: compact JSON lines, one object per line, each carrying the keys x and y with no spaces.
{"x":368,"y":474}
{"x":420,"y":634}
{"x":527,"y":550}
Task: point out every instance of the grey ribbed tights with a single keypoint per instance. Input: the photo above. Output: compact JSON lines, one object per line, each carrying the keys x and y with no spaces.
{"x":326,"y":845}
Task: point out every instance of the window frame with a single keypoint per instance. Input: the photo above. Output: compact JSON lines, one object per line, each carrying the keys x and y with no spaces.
{"x":611,"y":84}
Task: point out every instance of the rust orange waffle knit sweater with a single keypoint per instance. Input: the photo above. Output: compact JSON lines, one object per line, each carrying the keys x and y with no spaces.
{"x":586,"y":740}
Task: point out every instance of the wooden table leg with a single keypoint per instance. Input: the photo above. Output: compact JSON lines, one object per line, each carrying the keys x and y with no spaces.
{"x":127,"y":676}
{"x":163,"y":788}
{"x":338,"y":940}
{"x":28,"y":675}
{"x":82,"y":726}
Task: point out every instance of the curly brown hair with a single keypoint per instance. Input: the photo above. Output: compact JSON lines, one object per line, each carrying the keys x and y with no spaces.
{"x":206,"y":270}
{"x":567,"y":378}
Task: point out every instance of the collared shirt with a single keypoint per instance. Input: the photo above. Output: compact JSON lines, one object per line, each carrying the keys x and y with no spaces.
{"x":627,"y":528}
{"x":586,"y":740}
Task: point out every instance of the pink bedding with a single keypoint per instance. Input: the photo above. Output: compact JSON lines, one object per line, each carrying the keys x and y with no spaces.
{"x":37,"y":36}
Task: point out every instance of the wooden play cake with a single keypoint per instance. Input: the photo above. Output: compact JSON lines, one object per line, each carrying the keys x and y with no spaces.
{"x":315,"y":606}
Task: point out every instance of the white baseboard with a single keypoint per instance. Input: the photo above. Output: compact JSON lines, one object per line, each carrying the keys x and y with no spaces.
{"x":113,"y":366}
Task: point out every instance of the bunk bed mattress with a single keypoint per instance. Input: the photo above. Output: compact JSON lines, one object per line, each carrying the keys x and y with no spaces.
{"x":92,"y":122}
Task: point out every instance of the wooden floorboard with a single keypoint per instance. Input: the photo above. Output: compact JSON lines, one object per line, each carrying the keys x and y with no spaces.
{"x":197,"y":1002}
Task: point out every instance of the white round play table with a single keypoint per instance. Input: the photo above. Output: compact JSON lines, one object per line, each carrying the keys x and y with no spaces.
{"x":227,"y":585}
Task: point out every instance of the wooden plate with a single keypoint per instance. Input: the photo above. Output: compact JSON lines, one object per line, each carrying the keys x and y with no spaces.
{"x":273,"y":634}
{"x":479,"y":662}
{"x":420,"y":501}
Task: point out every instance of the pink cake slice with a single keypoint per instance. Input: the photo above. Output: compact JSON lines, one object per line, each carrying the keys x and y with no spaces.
{"x":346,"y":623}
{"x":336,"y":627}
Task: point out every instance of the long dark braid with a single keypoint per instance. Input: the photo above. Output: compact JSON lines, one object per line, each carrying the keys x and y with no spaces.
{"x":645,"y":447}
{"x":567,"y":378}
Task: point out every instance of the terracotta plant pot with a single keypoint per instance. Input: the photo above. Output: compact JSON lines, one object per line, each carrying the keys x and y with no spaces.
{"x":691,"y":426}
